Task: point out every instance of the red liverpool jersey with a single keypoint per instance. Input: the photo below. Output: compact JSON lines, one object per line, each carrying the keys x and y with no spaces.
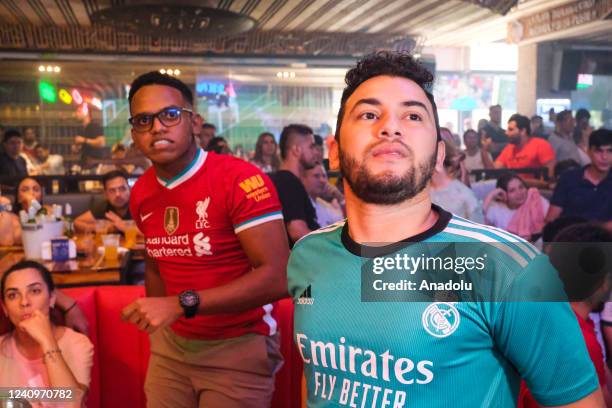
{"x":190,"y":224}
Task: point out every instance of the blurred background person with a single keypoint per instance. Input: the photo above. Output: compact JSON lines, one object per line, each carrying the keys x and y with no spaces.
{"x":36,"y":352}
{"x":48,"y":164}
{"x":114,"y":206}
{"x":11,"y":161}
{"x":316,"y":184}
{"x":537,"y":127}
{"x":218,"y":145}
{"x":587,"y":191}
{"x":266,"y":153}
{"x":562,"y":139}
{"x":473,"y":152}
{"x":450,"y":193}
{"x":30,"y":141}
{"x":515,"y":208}
{"x":494,"y":131}
{"x":10,"y":226}
{"x":90,"y":141}
{"x":588,"y":290}
{"x":583,"y":118}
{"x":208,"y":132}
{"x":27,"y":191}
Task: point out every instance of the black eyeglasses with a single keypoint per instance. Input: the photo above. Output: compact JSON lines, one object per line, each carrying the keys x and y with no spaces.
{"x":168,"y":117}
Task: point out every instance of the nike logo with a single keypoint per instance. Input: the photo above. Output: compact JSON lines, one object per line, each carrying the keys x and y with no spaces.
{"x":144,"y":217}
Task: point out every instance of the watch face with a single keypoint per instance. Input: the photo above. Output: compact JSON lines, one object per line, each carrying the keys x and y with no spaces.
{"x":189,"y":299}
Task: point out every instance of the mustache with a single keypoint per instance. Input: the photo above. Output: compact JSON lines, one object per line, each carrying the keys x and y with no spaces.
{"x":369,"y":148}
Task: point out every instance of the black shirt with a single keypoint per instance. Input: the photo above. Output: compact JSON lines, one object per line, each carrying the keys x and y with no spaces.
{"x":12,"y":167}
{"x":577,"y":196}
{"x":99,"y":207}
{"x":91,"y":131}
{"x":294,"y":199}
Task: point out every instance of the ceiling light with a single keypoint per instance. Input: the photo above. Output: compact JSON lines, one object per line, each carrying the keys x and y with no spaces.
{"x":49,"y":68}
{"x":279,"y":74}
{"x":177,"y":72}
{"x":292,"y":74}
{"x":41,"y":68}
{"x":163,"y":71}
{"x":56,"y":69}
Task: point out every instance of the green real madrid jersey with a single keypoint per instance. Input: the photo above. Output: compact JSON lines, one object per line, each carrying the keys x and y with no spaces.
{"x":361,"y":349}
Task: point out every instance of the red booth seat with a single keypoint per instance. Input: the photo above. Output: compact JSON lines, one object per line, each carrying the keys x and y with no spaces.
{"x":122,"y":351}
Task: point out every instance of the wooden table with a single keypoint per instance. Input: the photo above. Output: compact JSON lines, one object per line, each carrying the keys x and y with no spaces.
{"x":84,"y":276}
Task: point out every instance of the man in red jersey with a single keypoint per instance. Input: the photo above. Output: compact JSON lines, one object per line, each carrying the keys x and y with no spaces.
{"x":216,"y":256}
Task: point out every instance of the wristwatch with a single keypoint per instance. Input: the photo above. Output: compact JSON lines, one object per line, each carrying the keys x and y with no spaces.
{"x":189,"y":301}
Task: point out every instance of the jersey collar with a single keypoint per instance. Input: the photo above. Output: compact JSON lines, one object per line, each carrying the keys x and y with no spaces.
{"x":195,"y":165}
{"x":371,"y":252}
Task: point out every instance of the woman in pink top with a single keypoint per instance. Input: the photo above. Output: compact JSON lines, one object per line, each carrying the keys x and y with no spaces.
{"x":35,"y":352}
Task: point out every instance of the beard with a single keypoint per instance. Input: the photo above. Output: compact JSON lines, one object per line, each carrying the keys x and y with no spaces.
{"x":515,"y":140}
{"x":386,"y":188}
{"x":306,"y":165}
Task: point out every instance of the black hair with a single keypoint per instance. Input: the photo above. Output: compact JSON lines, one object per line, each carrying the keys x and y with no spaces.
{"x":581,"y":256}
{"x":387,"y":63}
{"x":213,"y":144}
{"x":209,"y":126}
{"x":562,"y":115}
{"x":582,"y":114}
{"x":505,"y":179}
{"x":157,"y":78}
{"x":288,"y":134}
{"x":42,"y":270}
{"x":17,"y":204}
{"x":600,"y":137}
{"x":550,"y":230}
{"x":9,"y":134}
{"x":318,"y":140}
{"x":537,"y":117}
{"x":495,"y":106}
{"x":113,"y":175}
{"x":522,"y":122}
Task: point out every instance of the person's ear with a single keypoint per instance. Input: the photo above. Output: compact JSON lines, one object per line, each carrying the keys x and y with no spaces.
{"x":440,"y":155}
{"x":334,"y":155}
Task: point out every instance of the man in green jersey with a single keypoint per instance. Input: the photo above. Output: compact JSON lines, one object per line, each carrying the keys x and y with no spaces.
{"x":362,"y":351}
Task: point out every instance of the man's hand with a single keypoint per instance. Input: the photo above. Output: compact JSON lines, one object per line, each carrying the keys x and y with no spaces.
{"x":152,"y":313}
{"x":117,"y":222}
{"x":79,"y":139}
{"x":486,"y":143}
{"x":76,"y":320}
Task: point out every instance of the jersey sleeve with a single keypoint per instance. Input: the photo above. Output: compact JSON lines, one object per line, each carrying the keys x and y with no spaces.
{"x":544,"y":342}
{"x":252,"y":197}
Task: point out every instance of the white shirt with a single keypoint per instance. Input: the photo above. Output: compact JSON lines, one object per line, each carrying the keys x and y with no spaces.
{"x":327,"y":213}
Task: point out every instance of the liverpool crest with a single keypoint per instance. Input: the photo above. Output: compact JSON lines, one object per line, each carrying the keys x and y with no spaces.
{"x":171,"y":220}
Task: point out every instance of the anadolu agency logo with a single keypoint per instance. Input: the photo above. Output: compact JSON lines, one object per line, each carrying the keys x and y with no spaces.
{"x":441,"y":319}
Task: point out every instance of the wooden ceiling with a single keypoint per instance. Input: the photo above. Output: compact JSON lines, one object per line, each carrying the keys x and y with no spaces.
{"x":286,"y":27}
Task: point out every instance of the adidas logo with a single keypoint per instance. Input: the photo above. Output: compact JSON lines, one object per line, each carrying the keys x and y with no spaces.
{"x":306,"y":297}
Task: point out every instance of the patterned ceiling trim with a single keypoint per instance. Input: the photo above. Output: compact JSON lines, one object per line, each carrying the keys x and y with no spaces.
{"x":498,"y":6}
{"x":107,"y":40}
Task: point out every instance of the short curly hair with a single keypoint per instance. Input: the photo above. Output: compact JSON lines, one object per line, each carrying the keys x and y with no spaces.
{"x":389,"y":63}
{"x":157,"y":78}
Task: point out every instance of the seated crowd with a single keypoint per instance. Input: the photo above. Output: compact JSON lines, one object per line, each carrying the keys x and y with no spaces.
{"x":573,"y":206}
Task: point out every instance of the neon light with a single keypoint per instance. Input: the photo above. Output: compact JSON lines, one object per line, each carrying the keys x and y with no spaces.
{"x":65,"y":96}
{"x":47,"y":92}
{"x":76,"y":97}
{"x":96,"y":102}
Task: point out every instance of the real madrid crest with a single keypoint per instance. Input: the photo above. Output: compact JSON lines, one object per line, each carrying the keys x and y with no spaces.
{"x":171,"y":220}
{"x":441,"y":319}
